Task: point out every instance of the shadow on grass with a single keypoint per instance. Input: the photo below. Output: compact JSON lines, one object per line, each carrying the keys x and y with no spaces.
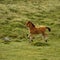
{"x":41,"y":44}
{"x":17,"y":41}
{"x":44,"y":59}
{"x":6,"y":42}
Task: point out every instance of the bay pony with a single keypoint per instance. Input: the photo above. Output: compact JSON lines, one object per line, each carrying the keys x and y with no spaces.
{"x":37,"y":30}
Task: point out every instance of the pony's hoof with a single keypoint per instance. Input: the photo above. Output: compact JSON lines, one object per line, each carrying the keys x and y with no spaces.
{"x":45,"y":40}
{"x":26,"y":34}
{"x":30,"y":41}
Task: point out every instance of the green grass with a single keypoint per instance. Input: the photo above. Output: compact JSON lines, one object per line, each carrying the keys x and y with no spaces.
{"x":13,"y":16}
{"x":27,"y":51}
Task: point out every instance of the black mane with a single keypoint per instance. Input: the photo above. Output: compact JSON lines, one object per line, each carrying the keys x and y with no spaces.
{"x":32,"y":24}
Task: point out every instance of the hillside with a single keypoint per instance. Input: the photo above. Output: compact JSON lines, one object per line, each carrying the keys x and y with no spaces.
{"x":13,"y":16}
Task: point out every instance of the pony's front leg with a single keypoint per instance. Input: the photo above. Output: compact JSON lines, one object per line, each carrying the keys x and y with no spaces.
{"x":30,"y":38}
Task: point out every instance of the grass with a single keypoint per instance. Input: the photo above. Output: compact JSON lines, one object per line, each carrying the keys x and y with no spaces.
{"x":26,"y":51}
{"x":13,"y":16}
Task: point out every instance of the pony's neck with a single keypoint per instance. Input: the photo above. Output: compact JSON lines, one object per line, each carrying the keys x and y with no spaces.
{"x":31,"y":27}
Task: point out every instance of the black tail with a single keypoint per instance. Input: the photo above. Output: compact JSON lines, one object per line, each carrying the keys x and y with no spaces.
{"x":48,"y":28}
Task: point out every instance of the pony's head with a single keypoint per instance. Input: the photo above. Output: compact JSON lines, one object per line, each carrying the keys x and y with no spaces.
{"x":30,"y":24}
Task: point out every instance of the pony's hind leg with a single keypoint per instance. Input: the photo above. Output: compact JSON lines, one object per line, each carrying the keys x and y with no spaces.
{"x":44,"y":37}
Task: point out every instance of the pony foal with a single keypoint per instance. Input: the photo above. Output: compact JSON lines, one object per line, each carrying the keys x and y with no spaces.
{"x":34,"y":30}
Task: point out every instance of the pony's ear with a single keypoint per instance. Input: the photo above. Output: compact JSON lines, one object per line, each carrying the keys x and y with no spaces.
{"x":29,"y":21}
